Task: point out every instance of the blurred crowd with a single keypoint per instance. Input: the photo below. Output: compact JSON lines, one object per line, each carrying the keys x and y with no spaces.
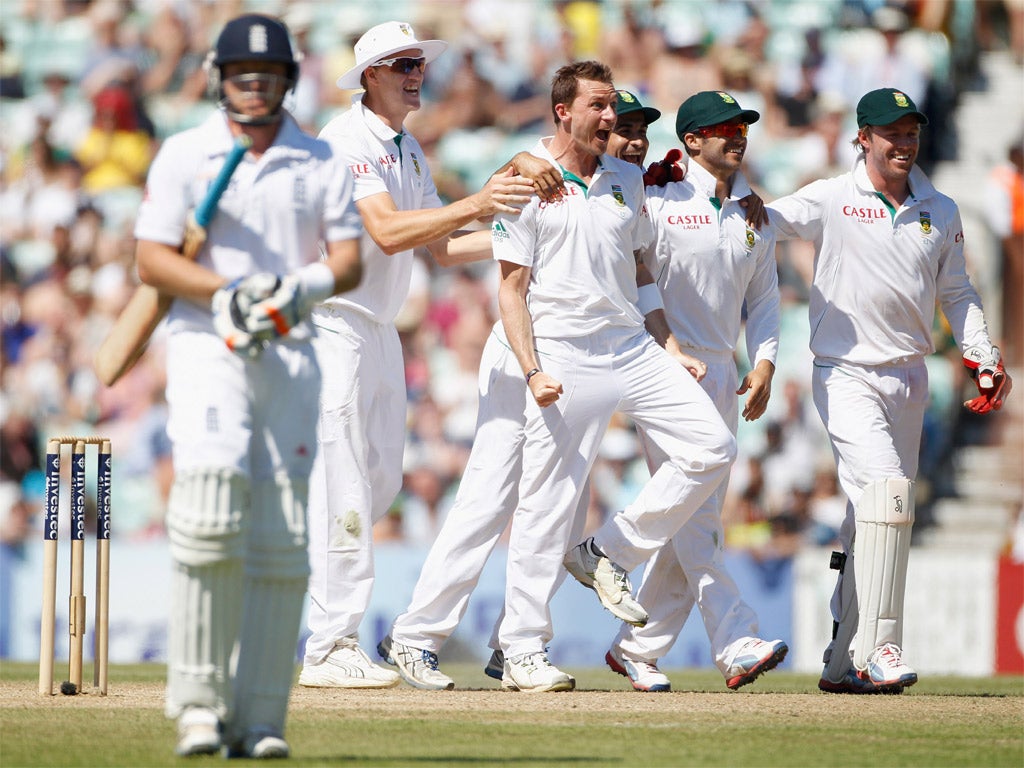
{"x":89,"y":88}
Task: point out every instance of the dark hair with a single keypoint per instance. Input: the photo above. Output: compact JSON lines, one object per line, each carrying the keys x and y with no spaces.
{"x":564,"y":85}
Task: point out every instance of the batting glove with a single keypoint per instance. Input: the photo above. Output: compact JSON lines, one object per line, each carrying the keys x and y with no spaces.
{"x":278,"y":304}
{"x":986,"y":368}
{"x":229,"y":321}
{"x":662,"y":172}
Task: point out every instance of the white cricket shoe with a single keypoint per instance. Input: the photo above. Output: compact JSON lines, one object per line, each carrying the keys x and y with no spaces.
{"x":260,"y":744}
{"x":417,"y":666}
{"x":534,"y":673}
{"x":198,"y":732}
{"x":644,"y":675}
{"x":608,"y":580}
{"x":347,"y":666}
{"x":886,"y":668}
{"x":753,"y":659}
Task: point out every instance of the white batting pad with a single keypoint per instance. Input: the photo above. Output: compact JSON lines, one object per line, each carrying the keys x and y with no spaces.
{"x":276,"y":575}
{"x":205,"y":524}
{"x":884,"y":517}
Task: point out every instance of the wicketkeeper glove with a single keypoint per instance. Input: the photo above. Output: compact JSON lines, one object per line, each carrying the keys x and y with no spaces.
{"x":668,"y":169}
{"x":276,"y":304}
{"x":229,"y":307}
{"x":986,"y":368}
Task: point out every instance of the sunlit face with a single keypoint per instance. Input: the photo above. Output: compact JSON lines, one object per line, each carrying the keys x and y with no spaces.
{"x":591,"y":116}
{"x":720,"y":147}
{"x":629,"y":138}
{"x":394,"y":85}
{"x":891,"y":150}
{"x":255,"y":88}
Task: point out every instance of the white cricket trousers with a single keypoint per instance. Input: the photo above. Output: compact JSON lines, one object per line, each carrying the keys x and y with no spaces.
{"x":358,"y":468}
{"x":611,"y":370}
{"x":691,"y":569}
{"x":487,"y":497}
{"x":873,"y":416}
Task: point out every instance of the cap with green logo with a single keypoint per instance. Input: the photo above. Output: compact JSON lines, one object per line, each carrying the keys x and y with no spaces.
{"x":710,"y":108}
{"x":627,"y":102}
{"x":885,"y":106}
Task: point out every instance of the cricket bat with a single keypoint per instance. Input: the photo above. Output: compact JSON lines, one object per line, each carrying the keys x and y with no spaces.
{"x":133,"y":328}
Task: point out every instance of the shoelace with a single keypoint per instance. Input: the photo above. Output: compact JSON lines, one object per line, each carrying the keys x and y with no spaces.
{"x":646,"y":666}
{"x":429,"y":660}
{"x":621,"y":578}
{"x":531,"y":659}
{"x":891,"y":654}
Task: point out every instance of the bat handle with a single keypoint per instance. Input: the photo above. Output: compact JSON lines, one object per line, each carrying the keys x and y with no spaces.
{"x":205,"y":210}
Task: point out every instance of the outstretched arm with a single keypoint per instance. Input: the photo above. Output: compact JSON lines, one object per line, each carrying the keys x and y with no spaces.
{"x":394,"y":230}
{"x":547,"y":179}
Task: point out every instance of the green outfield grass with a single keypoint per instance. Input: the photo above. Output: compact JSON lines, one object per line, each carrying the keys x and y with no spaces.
{"x":780,"y":720}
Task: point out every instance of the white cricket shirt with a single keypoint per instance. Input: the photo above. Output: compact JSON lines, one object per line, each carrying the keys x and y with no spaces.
{"x":580,"y":250}
{"x":879,"y":272}
{"x":379,"y":163}
{"x":272,"y":216}
{"x":707,"y":261}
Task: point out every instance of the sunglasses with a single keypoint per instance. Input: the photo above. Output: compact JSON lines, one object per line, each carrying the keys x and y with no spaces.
{"x":724,"y":130}
{"x":403,"y":65}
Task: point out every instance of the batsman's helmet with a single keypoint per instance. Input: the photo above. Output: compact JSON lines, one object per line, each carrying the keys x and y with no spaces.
{"x":254,"y":37}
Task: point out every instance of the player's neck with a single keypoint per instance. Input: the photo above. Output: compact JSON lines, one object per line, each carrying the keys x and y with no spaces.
{"x":393,"y":116}
{"x":895,"y":190}
{"x":572,"y":157}
{"x":723,"y":178}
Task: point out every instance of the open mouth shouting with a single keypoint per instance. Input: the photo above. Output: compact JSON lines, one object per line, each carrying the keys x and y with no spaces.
{"x":634,"y":155}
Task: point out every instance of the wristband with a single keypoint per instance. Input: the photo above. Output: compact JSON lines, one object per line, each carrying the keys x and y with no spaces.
{"x":531,"y":373}
{"x":316,"y":281}
{"x":648,"y":298}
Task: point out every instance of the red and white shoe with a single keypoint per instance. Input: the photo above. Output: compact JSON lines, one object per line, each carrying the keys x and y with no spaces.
{"x":644,"y":675}
{"x":753,"y":659}
{"x":886,"y":668}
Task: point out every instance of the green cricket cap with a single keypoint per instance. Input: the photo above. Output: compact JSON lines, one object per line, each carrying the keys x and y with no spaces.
{"x":627,"y":102}
{"x":710,"y":108}
{"x":885,"y":106}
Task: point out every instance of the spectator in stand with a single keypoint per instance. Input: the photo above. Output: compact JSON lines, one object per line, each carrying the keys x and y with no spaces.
{"x":115,"y":153}
{"x":632,"y":48}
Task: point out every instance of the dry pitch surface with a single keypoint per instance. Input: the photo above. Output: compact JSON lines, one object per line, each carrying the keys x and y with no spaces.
{"x":785,"y":723}
{"x":408,"y":702}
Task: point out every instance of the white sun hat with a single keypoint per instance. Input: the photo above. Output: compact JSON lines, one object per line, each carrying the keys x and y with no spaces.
{"x":383,"y":40}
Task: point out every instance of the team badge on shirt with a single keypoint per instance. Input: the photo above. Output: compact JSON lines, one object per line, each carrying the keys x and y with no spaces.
{"x":926,"y":222}
{"x":750,"y":238}
{"x":620,"y":201}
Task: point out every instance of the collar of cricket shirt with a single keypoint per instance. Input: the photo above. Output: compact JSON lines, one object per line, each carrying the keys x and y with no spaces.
{"x":702,"y":181}
{"x":921,"y":187}
{"x":376,"y":126}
